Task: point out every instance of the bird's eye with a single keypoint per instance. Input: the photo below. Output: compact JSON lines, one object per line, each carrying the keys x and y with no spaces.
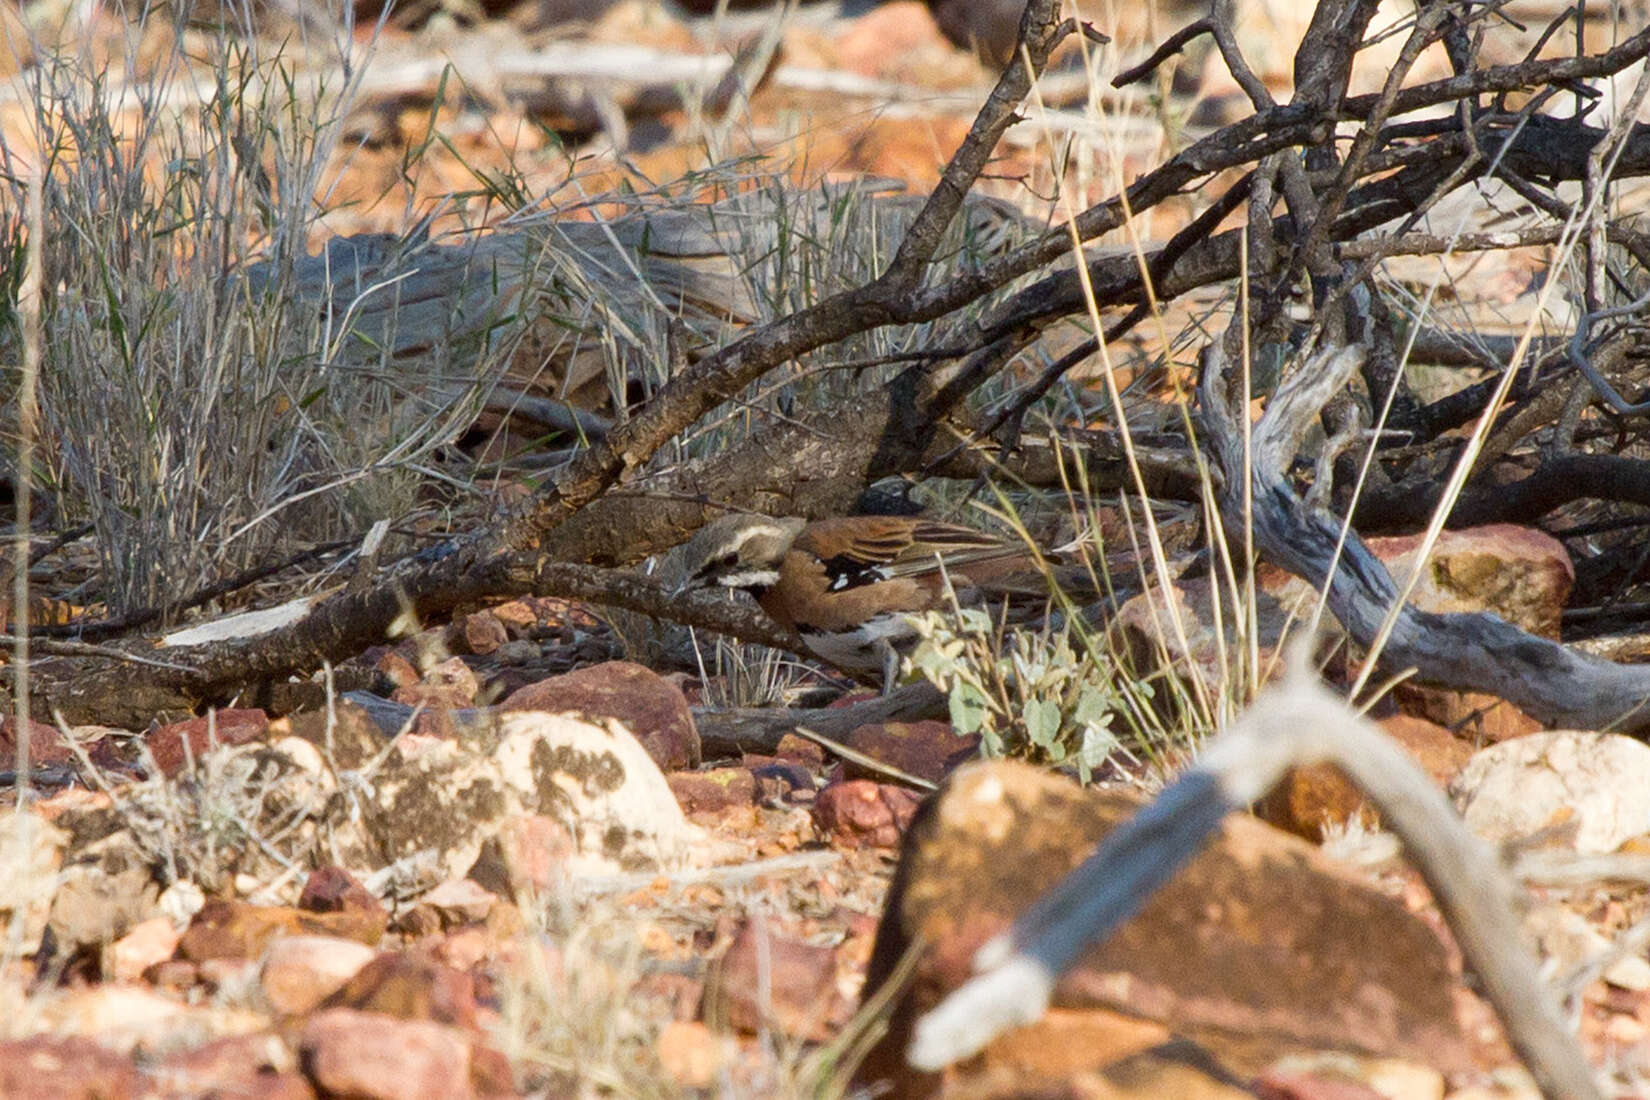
{"x":716,"y":565}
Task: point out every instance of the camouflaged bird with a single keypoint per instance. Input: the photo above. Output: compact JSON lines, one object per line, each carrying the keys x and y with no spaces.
{"x":846,"y":585}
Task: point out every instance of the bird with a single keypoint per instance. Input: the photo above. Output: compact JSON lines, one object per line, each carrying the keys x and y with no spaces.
{"x":846,"y":584}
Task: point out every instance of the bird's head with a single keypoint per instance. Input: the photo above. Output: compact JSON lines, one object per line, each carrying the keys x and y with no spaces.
{"x":738,"y":551}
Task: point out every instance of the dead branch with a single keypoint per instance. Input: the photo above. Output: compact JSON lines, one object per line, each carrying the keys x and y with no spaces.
{"x":1475,"y":652}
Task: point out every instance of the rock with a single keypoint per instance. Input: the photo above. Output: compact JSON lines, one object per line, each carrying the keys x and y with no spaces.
{"x":1522,"y":574}
{"x":44,"y":1068}
{"x":900,"y":41}
{"x":1595,"y":785}
{"x":370,"y":1056}
{"x":31,"y":851}
{"x":714,"y":790}
{"x":173,"y":746}
{"x":396,"y":669}
{"x":125,"y":1018}
{"x":351,"y":735}
{"x":176,"y":975}
{"x":1342,"y":1077}
{"x":410,"y":985}
{"x":299,"y":972}
{"x":46,"y":744}
{"x":928,"y":750}
{"x":810,"y":754}
{"x":1141,"y":1060}
{"x":456,"y":903}
{"x":258,"y":1066}
{"x":226,"y":929}
{"x":528,"y":857}
{"x":148,"y":943}
{"x":1313,"y":797}
{"x":691,"y":1053}
{"x":450,"y":685}
{"x":104,"y":889}
{"x":769,"y":982}
{"x":652,"y":708}
{"x":859,"y":813}
{"x":1259,"y":946}
{"x":331,"y":889}
{"x":484,"y":632}
{"x":1519,"y":573}
{"x":597,"y":782}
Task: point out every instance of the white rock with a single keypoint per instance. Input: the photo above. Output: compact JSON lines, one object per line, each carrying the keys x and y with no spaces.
{"x":1597,"y":784}
{"x":31,"y":851}
{"x":1629,"y":972}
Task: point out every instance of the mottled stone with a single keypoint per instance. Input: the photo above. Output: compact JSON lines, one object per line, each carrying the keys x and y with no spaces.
{"x":652,"y":708}
{"x":1259,"y":946}
{"x":860,"y":813}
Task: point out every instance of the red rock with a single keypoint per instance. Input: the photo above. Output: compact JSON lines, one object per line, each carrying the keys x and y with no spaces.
{"x":713,"y":790}
{"x":1246,"y":951}
{"x":370,"y":1056}
{"x":484,"y":632}
{"x":928,"y":750}
{"x":46,"y":745}
{"x":1311,"y":798}
{"x":650,"y":707}
{"x":299,"y":972}
{"x":901,"y":41}
{"x":174,"y":745}
{"x":1310,"y":1086}
{"x":409,"y":985}
{"x":770,"y":982}
{"x":44,"y":1068}
{"x":860,"y":813}
{"x":801,"y":750}
{"x":331,"y":889}
{"x":1521,"y":574}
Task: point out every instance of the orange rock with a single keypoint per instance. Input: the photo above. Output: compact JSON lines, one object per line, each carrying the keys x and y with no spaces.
{"x":484,"y":632}
{"x":691,"y":1053}
{"x":1313,"y":797}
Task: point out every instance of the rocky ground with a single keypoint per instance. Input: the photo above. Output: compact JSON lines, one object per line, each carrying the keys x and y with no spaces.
{"x":523,"y":866}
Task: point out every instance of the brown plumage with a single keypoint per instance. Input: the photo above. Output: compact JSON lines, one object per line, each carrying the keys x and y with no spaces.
{"x":845,"y":585}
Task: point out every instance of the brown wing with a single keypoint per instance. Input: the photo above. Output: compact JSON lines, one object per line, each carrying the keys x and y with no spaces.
{"x":865,"y":549}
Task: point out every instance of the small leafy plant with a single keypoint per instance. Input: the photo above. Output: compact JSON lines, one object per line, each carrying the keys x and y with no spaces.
{"x":1039,"y":695}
